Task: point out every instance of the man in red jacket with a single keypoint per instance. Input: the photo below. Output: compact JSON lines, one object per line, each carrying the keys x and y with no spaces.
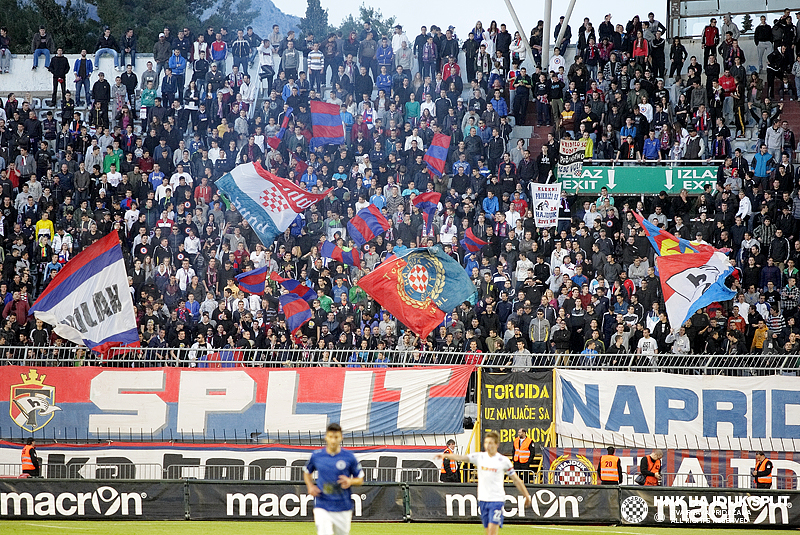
{"x":710,"y":40}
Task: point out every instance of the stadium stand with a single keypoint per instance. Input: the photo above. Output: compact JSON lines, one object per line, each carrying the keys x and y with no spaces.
{"x":141,"y":155}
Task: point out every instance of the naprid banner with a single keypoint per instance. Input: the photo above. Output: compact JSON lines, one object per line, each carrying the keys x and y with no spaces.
{"x":253,"y":501}
{"x":170,"y":401}
{"x":656,"y":506}
{"x":273,"y":462}
{"x":510,"y":401}
{"x":78,"y":500}
{"x":674,"y":411}
{"x":556,"y":504}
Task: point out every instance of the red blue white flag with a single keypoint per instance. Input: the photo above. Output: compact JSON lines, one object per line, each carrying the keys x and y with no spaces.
{"x":89,"y":301}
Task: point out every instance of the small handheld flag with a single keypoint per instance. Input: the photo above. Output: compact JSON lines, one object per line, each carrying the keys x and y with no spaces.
{"x":428,"y":203}
{"x":367,"y":224}
{"x":252,"y":281}
{"x":436,"y":155}
{"x":471,"y":242}
{"x":294,"y":287}
{"x":327,"y":126}
{"x":275,"y":141}
{"x":296,"y":311}
{"x":334,"y":252}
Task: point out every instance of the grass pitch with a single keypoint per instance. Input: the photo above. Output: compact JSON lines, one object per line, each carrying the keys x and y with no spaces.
{"x":37,"y":527}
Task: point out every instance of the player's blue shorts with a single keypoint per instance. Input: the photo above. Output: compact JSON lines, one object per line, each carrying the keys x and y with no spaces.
{"x":491,"y":513}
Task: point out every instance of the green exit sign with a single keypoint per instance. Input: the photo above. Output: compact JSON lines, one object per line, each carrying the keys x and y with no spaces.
{"x":641,"y":179}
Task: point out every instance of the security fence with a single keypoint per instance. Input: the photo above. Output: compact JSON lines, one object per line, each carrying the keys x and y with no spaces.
{"x":205,"y":358}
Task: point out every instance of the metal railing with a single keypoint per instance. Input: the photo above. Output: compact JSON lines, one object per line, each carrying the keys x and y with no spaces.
{"x":783,"y":482}
{"x":215,"y":472}
{"x":694,"y":364}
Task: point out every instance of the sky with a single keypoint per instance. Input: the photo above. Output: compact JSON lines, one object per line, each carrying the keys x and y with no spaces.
{"x":464,"y":13}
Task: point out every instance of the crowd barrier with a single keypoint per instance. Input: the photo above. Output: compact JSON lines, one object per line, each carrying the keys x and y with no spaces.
{"x":186,"y":357}
{"x":28,"y":499}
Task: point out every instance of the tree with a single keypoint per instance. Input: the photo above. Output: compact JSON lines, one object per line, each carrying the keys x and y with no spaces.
{"x":747,"y":23}
{"x":316,"y":21}
{"x":380,"y":26}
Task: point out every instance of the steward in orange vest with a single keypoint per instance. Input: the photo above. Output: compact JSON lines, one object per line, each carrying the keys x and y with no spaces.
{"x":30,"y":461}
{"x":524,"y":451}
{"x":449,"y":470}
{"x":762,"y":473}
{"x":609,"y":469}
{"x":650,"y":468}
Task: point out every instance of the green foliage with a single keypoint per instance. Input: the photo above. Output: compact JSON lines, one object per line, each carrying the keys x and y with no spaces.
{"x":747,"y":23}
{"x":315,"y":21}
{"x":233,"y":14}
{"x":68,"y":24}
{"x":380,"y":26}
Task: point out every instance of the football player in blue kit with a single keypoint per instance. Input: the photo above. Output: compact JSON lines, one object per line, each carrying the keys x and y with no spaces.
{"x":337,"y":471}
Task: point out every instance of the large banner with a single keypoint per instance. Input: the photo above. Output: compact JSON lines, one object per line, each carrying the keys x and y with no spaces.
{"x":512,"y":401}
{"x":237,"y":501}
{"x":164,"y":402}
{"x":79,"y":500}
{"x":655,"y":506}
{"x":678,"y":411}
{"x":442,"y":503}
{"x":546,"y":199}
{"x":685,"y":467}
{"x":570,"y":158}
{"x":274,"y":462}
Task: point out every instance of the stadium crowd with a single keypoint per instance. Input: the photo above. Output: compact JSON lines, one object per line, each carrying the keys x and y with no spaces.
{"x":144,"y":163}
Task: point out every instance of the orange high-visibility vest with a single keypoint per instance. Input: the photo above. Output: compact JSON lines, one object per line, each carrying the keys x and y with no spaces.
{"x":522,"y":452}
{"x":761,"y":467}
{"x":453,"y":464}
{"x":609,"y":468}
{"x":652,"y":466}
{"x":27,"y":462}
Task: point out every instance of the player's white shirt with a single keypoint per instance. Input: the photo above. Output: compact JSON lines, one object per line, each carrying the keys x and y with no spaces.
{"x":491,"y":473}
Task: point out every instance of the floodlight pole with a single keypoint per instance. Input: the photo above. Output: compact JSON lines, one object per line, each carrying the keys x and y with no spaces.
{"x":548,"y":8}
{"x":520,"y":29}
{"x":564,"y":25}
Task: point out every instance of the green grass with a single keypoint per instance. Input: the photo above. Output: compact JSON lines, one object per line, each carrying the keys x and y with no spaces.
{"x":44,"y":527}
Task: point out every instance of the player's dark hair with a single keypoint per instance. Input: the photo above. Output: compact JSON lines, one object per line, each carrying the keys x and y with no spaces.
{"x":29,"y":441}
{"x":333,"y":428}
{"x":611,"y":450}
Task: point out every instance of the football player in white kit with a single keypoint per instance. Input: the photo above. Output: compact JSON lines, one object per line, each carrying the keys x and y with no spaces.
{"x":492,"y":468}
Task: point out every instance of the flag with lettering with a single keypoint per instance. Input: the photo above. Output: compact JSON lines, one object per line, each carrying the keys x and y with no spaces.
{"x":89,"y":301}
{"x":420,"y":287}
{"x":327,"y":126}
{"x":436,"y":155}
{"x":269,"y":203}
{"x":367,"y":223}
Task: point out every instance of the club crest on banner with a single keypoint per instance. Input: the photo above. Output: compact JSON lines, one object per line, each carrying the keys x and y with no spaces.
{"x":421,"y":281}
{"x":32,"y":403}
{"x":633,"y":509}
{"x":569,"y":470}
